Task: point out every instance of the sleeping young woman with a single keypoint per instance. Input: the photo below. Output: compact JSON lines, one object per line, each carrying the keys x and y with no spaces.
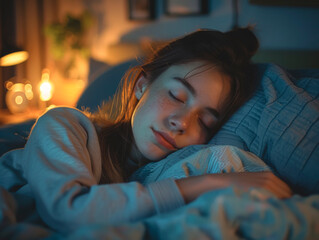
{"x":75,"y":167}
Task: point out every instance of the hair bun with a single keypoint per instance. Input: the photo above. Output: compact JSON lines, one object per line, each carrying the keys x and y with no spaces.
{"x":245,"y":41}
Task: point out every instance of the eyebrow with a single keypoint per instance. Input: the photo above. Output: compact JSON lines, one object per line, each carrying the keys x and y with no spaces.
{"x":187,"y":85}
{"x":190,"y":88}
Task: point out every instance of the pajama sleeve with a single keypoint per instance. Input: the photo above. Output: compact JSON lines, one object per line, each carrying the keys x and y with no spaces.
{"x":62,"y":165}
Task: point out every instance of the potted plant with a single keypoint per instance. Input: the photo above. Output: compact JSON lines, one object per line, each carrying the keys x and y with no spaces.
{"x":69,"y":45}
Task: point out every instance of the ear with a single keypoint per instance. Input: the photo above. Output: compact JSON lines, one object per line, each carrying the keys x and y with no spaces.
{"x":140,"y":86}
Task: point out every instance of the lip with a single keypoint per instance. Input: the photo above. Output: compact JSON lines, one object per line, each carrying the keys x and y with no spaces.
{"x":165,"y":140}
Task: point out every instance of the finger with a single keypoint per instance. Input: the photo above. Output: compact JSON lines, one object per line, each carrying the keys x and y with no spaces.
{"x":283,"y":186}
{"x":272,"y":180}
{"x":279,"y":191}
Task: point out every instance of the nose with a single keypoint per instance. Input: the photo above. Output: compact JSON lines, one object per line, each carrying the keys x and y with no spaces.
{"x":178,"y":123}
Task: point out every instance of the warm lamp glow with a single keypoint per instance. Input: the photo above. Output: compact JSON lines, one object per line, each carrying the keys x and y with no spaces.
{"x":14,"y":58}
{"x":46,"y":88}
{"x":45,"y":91}
{"x":28,"y":91}
{"x":8,"y":85}
{"x":18,"y":100}
{"x":17,"y":87}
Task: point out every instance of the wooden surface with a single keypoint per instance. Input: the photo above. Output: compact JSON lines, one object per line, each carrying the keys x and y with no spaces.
{"x":8,"y":118}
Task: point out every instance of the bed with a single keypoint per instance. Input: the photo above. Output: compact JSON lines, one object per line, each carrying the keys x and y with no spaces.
{"x":279,"y":124}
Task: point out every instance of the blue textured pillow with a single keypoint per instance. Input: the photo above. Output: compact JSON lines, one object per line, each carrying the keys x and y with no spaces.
{"x":280,"y":125}
{"x":103,"y":87}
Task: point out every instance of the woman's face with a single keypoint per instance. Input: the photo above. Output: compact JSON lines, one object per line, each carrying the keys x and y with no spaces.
{"x":178,"y":109}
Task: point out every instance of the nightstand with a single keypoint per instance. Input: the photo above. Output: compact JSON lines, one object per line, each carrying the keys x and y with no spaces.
{"x":6,"y":117}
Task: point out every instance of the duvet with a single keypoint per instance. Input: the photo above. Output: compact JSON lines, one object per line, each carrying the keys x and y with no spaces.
{"x":279,"y":125}
{"x":221,"y":214}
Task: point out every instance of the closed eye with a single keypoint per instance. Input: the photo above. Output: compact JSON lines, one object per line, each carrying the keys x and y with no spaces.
{"x":203,"y":125}
{"x":174,"y":97}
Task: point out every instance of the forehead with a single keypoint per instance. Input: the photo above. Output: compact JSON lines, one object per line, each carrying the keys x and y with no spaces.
{"x":195,"y":70}
{"x":188,"y":69}
{"x":199,"y":74}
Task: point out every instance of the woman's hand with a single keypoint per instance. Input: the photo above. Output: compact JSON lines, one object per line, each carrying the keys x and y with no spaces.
{"x":192,"y":187}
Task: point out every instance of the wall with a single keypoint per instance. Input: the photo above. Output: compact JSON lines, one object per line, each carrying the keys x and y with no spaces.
{"x":283,"y":27}
{"x":114,"y":37}
{"x":276,"y":27}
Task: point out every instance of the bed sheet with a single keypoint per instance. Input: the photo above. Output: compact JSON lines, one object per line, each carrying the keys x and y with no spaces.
{"x":221,"y":214}
{"x":227,"y":213}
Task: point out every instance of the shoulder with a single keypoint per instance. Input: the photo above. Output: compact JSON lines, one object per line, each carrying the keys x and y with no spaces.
{"x":65,"y":135}
{"x":64,"y":115}
{"x":64,"y":119}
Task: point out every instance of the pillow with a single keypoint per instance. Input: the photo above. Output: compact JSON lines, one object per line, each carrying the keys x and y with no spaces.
{"x":103,"y":87}
{"x":280,"y":125}
{"x":96,"y":68}
{"x":197,"y":160}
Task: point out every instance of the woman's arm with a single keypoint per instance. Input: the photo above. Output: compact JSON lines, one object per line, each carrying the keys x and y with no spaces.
{"x":62,"y":165}
{"x":192,"y":187}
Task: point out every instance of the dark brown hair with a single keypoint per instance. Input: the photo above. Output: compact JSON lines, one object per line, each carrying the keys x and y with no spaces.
{"x":229,"y":52}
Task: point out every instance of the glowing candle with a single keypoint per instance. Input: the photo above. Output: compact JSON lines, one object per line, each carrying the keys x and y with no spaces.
{"x":46,"y":88}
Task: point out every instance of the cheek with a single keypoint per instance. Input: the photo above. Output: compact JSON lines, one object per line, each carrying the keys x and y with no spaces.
{"x":196,"y":137}
{"x":158,"y":103}
{"x":151,"y":107}
{"x":164,"y":104}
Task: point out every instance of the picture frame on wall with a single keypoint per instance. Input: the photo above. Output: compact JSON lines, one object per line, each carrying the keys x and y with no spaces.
{"x":186,"y":7}
{"x":141,"y":10}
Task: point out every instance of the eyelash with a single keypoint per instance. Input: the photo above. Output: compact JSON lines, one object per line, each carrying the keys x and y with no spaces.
{"x":203,"y":124}
{"x":199,"y":119}
{"x":174,"y":97}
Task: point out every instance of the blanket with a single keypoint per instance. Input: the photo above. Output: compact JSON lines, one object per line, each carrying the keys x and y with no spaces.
{"x":221,"y":214}
{"x":279,"y":125}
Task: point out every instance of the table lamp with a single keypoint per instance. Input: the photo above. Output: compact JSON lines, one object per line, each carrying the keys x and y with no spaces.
{"x":16,"y":98}
{"x":12,"y":56}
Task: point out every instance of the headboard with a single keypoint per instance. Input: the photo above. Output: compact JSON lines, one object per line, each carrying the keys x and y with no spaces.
{"x":290,"y":59}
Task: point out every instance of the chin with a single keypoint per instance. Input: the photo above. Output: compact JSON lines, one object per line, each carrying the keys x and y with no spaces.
{"x":153,"y":153}
{"x":153,"y":157}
